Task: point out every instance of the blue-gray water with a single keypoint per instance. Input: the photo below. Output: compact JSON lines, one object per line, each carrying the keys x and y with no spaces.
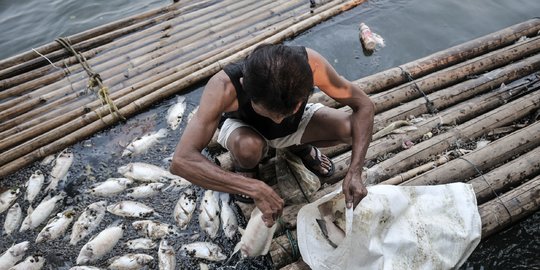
{"x":411,"y":28}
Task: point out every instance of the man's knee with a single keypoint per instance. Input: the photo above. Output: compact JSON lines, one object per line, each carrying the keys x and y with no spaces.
{"x":344,"y":131}
{"x":247,"y":150}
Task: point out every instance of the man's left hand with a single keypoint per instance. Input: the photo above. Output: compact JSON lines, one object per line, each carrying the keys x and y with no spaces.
{"x":354,"y":189}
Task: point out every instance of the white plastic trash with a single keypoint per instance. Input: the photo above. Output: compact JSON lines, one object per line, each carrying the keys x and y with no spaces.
{"x":397,"y":227}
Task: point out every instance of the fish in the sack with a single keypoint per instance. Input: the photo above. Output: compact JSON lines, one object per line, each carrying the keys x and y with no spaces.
{"x":256,"y":238}
{"x":331,"y":231}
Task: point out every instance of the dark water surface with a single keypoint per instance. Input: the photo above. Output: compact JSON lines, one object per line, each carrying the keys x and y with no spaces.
{"x":412,"y":29}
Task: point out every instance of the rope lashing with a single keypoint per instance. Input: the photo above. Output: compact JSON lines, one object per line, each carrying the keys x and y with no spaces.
{"x":94,"y":80}
{"x":429,"y":103}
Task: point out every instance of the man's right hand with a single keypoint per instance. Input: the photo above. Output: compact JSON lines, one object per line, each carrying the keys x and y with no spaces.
{"x":269,"y":202}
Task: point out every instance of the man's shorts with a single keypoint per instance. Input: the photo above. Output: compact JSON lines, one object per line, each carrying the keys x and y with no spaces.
{"x":231,"y":125}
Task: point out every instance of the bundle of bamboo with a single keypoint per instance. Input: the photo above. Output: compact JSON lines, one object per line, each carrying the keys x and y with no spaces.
{"x":174,"y":51}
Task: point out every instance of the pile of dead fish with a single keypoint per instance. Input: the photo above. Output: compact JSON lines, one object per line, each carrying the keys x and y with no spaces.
{"x":139,"y":181}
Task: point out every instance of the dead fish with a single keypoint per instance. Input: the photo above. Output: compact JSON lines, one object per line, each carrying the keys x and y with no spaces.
{"x":7,"y":198}
{"x":209,"y":214}
{"x":41,"y":213}
{"x":110,"y":187}
{"x":146,"y":172}
{"x":100,"y":245}
{"x":229,"y":223}
{"x":256,"y":238}
{"x":183,"y":211}
{"x":142,"y":144}
{"x":166,"y":256}
{"x":56,"y":227}
{"x":130,"y":209}
{"x":60,"y":169}
{"x":14,"y":254}
{"x":332,"y":232}
{"x":33,"y":186}
{"x":141,"y":243}
{"x":13,"y":219}
{"x":145,"y":191}
{"x":88,"y":221}
{"x":47,"y":160}
{"x":33,"y":262}
{"x":176,"y":113}
{"x":154,"y":229}
{"x":203,"y":250}
{"x":177,"y":184}
{"x":130,"y":261}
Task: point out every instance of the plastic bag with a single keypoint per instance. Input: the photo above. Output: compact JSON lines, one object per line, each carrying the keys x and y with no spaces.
{"x":397,"y":227}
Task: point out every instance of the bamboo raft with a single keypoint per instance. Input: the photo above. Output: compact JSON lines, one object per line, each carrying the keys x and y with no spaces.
{"x":484,"y":88}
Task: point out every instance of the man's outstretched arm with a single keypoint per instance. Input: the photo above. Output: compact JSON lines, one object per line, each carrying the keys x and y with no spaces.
{"x":347,"y":93}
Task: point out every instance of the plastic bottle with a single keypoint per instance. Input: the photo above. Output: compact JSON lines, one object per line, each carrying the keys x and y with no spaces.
{"x":367,"y":37}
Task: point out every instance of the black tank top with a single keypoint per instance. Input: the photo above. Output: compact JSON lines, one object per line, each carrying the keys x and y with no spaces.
{"x":268,"y":128}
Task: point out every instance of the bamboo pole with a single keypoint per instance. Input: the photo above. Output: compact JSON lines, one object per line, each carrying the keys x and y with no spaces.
{"x":506,"y":176}
{"x":205,"y":69}
{"x":89,"y":43}
{"x":469,"y":130}
{"x":88,"y":34}
{"x":281,"y":249}
{"x":454,"y":74}
{"x":402,"y":177}
{"x":512,"y":206}
{"x":482,"y":159}
{"x":26,"y":121}
{"x":37,"y":97}
{"x":442,"y":59}
{"x":166,"y":25}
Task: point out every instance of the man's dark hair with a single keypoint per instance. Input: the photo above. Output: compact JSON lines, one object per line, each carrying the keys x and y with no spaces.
{"x":277,"y":77}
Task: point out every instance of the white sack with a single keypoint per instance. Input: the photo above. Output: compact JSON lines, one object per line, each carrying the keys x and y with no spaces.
{"x":398,"y":227}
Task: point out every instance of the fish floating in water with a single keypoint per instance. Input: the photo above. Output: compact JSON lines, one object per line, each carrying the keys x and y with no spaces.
{"x":41,"y":213}
{"x":33,"y":186}
{"x":229,"y":223}
{"x":14,"y":254}
{"x":110,"y":187}
{"x":145,"y":172}
{"x":100,"y":245}
{"x":56,"y":227}
{"x":130,"y":261}
{"x":176,"y":113}
{"x":209,"y":214}
{"x":60,"y":169}
{"x":166,"y":256}
{"x":145,"y":191}
{"x":130,"y":209}
{"x":256,"y":238}
{"x":154,"y":229}
{"x":13,"y":219}
{"x":141,"y":243}
{"x":88,"y":221}
{"x":142,"y":144}
{"x":183,"y":210}
{"x":7,"y":198}
{"x":33,"y":262}
{"x":203,"y":250}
